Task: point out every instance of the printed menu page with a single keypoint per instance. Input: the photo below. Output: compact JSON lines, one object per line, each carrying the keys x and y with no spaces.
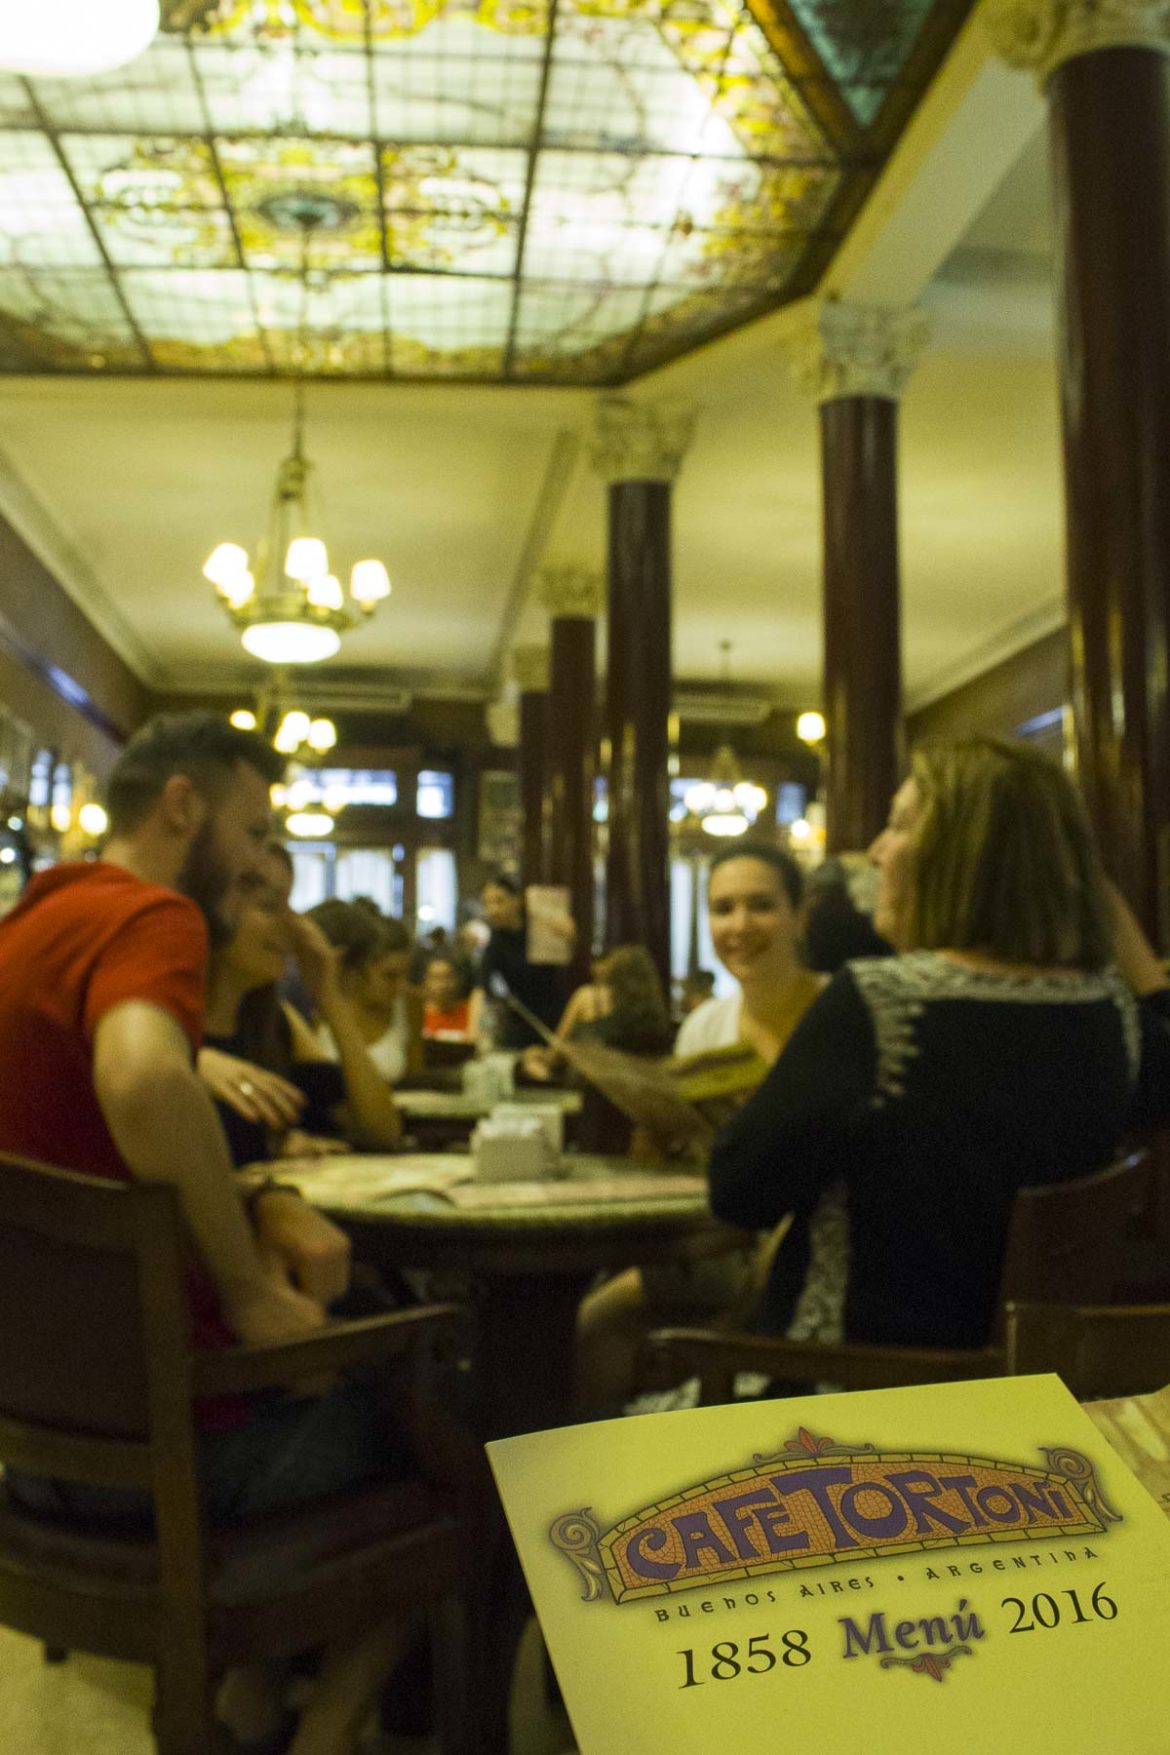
{"x":968,"y":1567}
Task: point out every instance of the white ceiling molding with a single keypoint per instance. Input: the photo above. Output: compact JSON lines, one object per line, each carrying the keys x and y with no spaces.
{"x":983,"y":657}
{"x":69,"y":567}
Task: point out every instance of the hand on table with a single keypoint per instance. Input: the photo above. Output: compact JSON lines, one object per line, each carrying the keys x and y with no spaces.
{"x":297,"y":1239}
{"x":253,"y":1092}
{"x":298,"y":1144}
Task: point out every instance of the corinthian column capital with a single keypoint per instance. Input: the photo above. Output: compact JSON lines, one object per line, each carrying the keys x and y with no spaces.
{"x":836,"y":349}
{"x":1039,"y":35}
{"x":569,"y":590}
{"x":640,"y":441}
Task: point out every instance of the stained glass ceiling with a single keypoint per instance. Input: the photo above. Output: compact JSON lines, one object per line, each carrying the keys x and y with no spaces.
{"x":539,"y":191}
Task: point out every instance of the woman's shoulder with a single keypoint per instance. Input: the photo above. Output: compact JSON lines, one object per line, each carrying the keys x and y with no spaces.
{"x":714,"y":1024}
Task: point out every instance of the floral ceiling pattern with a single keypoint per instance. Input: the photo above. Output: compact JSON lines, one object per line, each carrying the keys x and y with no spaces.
{"x":539,"y":191}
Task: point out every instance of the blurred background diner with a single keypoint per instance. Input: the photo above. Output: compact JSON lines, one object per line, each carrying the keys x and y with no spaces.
{"x":596,"y":487}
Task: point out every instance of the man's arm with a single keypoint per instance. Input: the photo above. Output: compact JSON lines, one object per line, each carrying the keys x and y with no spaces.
{"x":166,"y":1130}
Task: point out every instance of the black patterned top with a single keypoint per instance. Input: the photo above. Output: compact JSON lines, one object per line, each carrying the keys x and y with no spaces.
{"x":934,"y":1092}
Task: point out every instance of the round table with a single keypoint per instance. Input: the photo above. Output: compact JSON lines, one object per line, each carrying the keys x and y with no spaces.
{"x":529,"y":1265}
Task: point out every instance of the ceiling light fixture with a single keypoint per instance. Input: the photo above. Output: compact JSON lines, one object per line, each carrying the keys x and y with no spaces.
{"x":74,"y":39}
{"x":810,"y":728}
{"x":292,"y":609}
{"x":726,"y":804}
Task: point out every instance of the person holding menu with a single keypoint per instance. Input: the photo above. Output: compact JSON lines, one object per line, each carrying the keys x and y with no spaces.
{"x":506,"y":967}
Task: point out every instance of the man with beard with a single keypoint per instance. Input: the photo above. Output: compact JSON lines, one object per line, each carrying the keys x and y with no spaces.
{"x":102,"y":983}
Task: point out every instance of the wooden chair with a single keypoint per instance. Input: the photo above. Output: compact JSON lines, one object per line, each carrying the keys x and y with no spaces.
{"x":1100,"y":1351}
{"x":1066,"y":1241}
{"x":96,"y":1385}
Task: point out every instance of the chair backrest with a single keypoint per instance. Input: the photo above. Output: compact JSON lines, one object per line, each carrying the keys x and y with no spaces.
{"x":1099,"y":1350}
{"x":1066,"y":1240}
{"x":93,"y":1321}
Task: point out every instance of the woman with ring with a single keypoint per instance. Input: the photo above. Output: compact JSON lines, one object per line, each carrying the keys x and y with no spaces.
{"x":276,"y":1092}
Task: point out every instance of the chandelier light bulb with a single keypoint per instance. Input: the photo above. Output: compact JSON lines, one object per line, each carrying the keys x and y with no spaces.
{"x":700,"y":797}
{"x":321,"y":735}
{"x":800,"y":830}
{"x":292,"y":732}
{"x":225,"y":564}
{"x":278,"y":796}
{"x":290,"y":642}
{"x":93,"y":819}
{"x":306,"y":560}
{"x":61,"y":817}
{"x":300,"y":795}
{"x":810,"y":727}
{"x":326,"y":593}
{"x":334,"y":798}
{"x":726,"y":823}
{"x":74,"y":39}
{"x":369,"y":582}
{"x":238,"y":590}
{"x":243,"y":719}
{"x":309,"y":823}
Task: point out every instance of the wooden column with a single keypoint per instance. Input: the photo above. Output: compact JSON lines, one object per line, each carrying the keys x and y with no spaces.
{"x":855,"y":360}
{"x":572,"y":597}
{"x":638,"y":451}
{"x":530,"y":666}
{"x":1108,"y":87}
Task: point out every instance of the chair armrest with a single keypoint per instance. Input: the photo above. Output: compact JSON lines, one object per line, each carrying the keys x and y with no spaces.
{"x":238,"y":1370}
{"x":670,"y":1355}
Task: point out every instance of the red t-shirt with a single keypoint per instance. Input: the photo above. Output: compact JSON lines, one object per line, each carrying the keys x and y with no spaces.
{"x":82,"y":940}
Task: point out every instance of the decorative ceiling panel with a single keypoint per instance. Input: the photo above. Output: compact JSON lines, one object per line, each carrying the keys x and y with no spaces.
{"x":553,"y":191}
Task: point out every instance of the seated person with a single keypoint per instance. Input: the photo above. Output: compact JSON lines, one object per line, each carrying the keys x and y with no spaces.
{"x":102,"y":984}
{"x":445,"y":1011}
{"x":754,"y":895}
{"x":621,"y":1007}
{"x":695,"y":990}
{"x":277,"y":1093}
{"x":373,"y":960}
{"x":999,"y":1048}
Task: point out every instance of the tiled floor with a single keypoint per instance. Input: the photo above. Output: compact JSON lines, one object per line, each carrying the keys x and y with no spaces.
{"x":89,"y":1706}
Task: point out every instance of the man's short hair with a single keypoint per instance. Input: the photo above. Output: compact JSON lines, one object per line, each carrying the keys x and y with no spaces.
{"x":203,"y":746}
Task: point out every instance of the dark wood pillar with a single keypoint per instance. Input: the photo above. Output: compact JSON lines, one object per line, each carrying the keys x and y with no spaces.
{"x":530,"y":670}
{"x":639,"y":449}
{"x":861,"y":610}
{"x":572,"y":597}
{"x":1110,"y":131}
{"x":856,"y":359}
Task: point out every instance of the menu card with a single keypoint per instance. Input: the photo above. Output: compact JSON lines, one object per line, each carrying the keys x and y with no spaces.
{"x":967,"y":1567}
{"x":550,"y":932}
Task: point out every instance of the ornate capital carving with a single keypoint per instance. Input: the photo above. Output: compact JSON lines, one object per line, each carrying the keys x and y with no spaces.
{"x":1039,"y":35}
{"x":837,"y":349}
{"x":569,"y":590}
{"x":529,"y":667}
{"x":640,"y":441}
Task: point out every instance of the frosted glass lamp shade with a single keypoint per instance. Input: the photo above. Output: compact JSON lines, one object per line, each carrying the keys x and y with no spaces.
{"x":326,"y":593}
{"x":225,"y":564}
{"x":369,"y":582}
{"x":74,"y":39}
{"x":307,"y":559}
{"x":290,"y":642}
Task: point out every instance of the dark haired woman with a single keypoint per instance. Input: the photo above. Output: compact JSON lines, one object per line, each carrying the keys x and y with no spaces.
{"x":275,"y":1089}
{"x":373,"y":964}
{"x":504,"y":967}
{"x":999,"y":1048}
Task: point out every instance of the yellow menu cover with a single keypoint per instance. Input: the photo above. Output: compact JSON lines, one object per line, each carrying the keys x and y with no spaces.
{"x":968,"y":1567}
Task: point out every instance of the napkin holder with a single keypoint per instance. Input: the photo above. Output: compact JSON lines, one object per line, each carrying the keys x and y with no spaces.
{"x":511,"y":1150}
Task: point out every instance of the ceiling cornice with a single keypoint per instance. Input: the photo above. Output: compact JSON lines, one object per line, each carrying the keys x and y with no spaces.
{"x":65,"y":561}
{"x":974,"y":663}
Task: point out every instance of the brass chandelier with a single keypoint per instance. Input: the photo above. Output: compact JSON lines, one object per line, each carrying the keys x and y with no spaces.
{"x":291,"y":609}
